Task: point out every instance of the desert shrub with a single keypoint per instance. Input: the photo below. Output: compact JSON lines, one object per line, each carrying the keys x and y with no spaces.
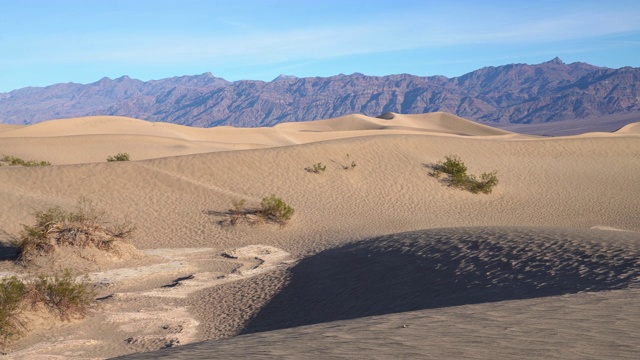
{"x":15,"y":161}
{"x":274,"y":207}
{"x":119,"y":157}
{"x":12,"y":293}
{"x":486,"y":183}
{"x":349,"y":166}
{"x":64,"y":295}
{"x":238,"y":205}
{"x":86,"y":226}
{"x":238,"y":211}
{"x":458,"y":177}
{"x":60,"y":294}
{"x":316,"y":168}
{"x":452,"y":165}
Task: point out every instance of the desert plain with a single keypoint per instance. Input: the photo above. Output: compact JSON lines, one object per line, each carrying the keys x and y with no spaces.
{"x":380,"y":260}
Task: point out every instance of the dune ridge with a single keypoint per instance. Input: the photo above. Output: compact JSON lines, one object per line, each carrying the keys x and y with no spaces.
{"x":102,"y":136}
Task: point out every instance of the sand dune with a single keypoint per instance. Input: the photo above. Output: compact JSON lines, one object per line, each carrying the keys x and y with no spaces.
{"x":433,"y":122}
{"x":386,"y":219}
{"x":102,"y":136}
{"x":579,"y":326}
{"x":449,"y":267}
{"x":630,"y":129}
{"x":7,"y":127}
{"x":407,"y":274}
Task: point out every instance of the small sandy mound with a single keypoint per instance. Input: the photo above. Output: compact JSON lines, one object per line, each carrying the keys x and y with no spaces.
{"x":88,"y":259}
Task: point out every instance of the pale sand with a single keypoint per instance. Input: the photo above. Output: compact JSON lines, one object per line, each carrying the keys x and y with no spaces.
{"x":570,"y":183}
{"x":101,"y":136}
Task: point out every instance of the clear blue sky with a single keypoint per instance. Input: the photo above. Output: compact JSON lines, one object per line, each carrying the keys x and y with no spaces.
{"x":47,"y":42}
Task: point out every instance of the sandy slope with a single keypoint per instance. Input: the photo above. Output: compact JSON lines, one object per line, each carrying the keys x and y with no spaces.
{"x":178,"y":202}
{"x":93,"y":139}
{"x":630,"y":129}
{"x":578,"y":326}
{"x":410,"y":295}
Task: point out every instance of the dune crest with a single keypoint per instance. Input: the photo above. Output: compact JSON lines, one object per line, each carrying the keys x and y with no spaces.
{"x":630,"y":129}
{"x":102,"y":136}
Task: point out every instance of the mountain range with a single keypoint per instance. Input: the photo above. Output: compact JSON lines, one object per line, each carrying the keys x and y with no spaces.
{"x":552,"y":91}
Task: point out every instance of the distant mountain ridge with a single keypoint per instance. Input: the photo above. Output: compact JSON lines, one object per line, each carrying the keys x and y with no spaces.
{"x":510,"y":94}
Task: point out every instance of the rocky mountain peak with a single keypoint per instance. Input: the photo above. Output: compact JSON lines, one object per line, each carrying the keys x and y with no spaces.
{"x":514,"y":93}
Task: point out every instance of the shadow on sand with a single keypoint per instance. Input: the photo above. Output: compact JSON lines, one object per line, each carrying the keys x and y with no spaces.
{"x":8,"y":251}
{"x":449,"y":267}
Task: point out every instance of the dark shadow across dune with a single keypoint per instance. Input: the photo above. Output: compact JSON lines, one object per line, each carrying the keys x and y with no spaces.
{"x":449,"y":267}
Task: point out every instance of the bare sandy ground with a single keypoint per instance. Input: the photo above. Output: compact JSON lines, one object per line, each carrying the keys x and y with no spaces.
{"x":536,"y":264}
{"x":607,"y":123}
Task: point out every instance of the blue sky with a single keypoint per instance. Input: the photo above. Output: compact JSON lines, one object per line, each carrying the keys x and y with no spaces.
{"x":47,"y":42}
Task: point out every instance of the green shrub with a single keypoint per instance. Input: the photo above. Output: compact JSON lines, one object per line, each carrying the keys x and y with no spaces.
{"x":316,"y":168}
{"x":14,"y":161}
{"x":458,"y":177}
{"x":12,"y":293}
{"x":453,"y":165}
{"x":119,"y":157}
{"x":63,"y":295}
{"x":486,"y":183}
{"x":87,"y":226}
{"x":60,"y":294}
{"x":274,"y":207}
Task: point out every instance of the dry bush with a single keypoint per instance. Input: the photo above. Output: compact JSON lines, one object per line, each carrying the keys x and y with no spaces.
{"x":63,"y":295}
{"x":349,"y":166}
{"x":238,"y":211}
{"x":12,"y":293}
{"x":86,"y":226}
{"x":272,"y":208}
{"x":316,"y":168}
{"x":59,"y":293}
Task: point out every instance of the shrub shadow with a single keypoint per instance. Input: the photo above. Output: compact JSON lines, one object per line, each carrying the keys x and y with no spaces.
{"x":8,"y":248}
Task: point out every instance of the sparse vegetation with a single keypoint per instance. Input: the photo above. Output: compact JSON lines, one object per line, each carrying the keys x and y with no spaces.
{"x":60,"y":294}
{"x":16,"y":161}
{"x":63,"y":295}
{"x":349,"y":166}
{"x":458,"y":177}
{"x":238,"y":211}
{"x":12,"y":295}
{"x":316,"y":168}
{"x":86,"y":226}
{"x":274,"y":207}
{"x":119,"y":157}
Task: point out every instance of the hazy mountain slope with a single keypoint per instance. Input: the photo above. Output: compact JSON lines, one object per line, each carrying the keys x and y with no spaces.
{"x":510,"y":94}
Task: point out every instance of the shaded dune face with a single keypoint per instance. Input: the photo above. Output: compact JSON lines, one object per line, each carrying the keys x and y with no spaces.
{"x":448,"y":267}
